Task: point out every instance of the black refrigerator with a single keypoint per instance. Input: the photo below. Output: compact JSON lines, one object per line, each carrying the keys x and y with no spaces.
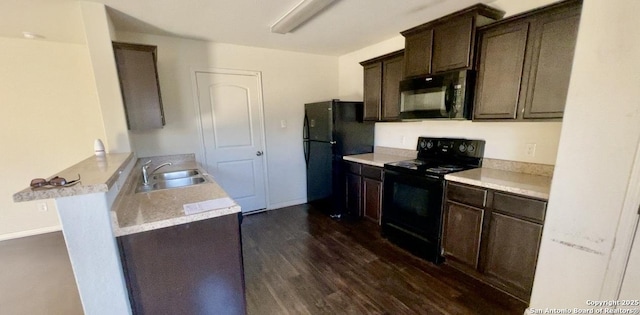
{"x":332,"y":130}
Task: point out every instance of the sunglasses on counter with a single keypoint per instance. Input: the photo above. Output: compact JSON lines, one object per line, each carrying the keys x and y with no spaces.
{"x":55,"y":181}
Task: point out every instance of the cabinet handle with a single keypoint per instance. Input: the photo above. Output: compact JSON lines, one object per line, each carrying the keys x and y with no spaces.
{"x":259,"y":153}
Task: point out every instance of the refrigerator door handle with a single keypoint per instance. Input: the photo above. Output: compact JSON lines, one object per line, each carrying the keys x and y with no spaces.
{"x":305,"y":139}
{"x":306,"y":152}
{"x":330,"y":120}
{"x":305,"y":128}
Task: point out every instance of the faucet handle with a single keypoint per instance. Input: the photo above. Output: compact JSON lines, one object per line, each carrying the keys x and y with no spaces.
{"x":146,"y":164}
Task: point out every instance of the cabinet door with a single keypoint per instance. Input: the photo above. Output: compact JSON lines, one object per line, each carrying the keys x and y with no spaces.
{"x":552,"y":47}
{"x":452,"y":44}
{"x":372,"y":201}
{"x":417,"y":53}
{"x":502,"y":53}
{"x":372,"y":91}
{"x":192,"y":268}
{"x":391,"y":77}
{"x":512,"y":253}
{"x":353,"y":194}
{"x":461,"y":234}
{"x":139,"y":84}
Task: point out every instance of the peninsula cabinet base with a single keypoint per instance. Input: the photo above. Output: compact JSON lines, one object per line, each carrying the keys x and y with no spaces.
{"x":192,"y":268}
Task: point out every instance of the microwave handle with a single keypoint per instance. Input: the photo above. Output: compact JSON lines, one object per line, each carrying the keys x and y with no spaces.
{"x":449,"y":94}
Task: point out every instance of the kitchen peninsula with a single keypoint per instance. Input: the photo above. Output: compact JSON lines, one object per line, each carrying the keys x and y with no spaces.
{"x":110,"y":230}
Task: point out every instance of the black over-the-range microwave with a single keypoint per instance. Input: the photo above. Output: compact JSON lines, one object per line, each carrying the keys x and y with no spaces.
{"x":445,"y":95}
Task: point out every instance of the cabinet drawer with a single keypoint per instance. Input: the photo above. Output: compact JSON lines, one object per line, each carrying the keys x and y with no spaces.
{"x":372,"y":172}
{"x":352,"y":167}
{"x":520,"y":206}
{"x":468,"y":195}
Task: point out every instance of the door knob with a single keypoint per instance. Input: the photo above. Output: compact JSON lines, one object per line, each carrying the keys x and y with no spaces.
{"x":259,"y":153}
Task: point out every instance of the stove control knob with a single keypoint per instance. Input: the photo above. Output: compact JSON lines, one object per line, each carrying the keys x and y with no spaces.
{"x":429,"y":144}
{"x":471,"y":148}
{"x":462,"y":147}
{"x":423,"y":143}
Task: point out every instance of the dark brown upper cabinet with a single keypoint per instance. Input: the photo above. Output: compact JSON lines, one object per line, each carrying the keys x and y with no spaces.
{"x":382,"y":76}
{"x":446,"y":43}
{"x":417,"y":50}
{"x":524,"y":63}
{"x":138,"y":75}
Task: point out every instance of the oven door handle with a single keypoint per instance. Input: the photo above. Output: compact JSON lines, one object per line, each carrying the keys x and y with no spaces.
{"x":430,"y":178}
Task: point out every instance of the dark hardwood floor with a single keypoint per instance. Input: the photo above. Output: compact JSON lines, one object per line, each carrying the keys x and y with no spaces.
{"x":296,"y":260}
{"x":299,"y":261}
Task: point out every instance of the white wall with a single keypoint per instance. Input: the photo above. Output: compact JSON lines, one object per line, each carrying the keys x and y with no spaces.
{"x":506,"y":141}
{"x":50,"y":119}
{"x":289,"y":81}
{"x":600,"y":134}
{"x":98,"y":30}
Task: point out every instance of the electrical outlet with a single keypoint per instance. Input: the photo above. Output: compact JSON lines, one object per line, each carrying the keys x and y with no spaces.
{"x":531,"y":149}
{"x":42,"y":207}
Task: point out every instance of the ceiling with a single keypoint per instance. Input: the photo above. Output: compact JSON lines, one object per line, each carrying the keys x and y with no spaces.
{"x":343,"y":27}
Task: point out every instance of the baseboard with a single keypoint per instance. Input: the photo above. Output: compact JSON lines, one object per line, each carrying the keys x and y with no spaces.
{"x":26,"y":233}
{"x":287,"y":204}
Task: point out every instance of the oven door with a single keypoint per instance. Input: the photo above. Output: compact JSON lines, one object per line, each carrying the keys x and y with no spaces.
{"x":413,"y":204}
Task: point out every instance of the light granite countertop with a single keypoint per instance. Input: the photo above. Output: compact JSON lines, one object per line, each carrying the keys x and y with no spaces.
{"x":98,"y":174}
{"x":138,"y":212}
{"x":375,"y":159}
{"x":381,"y":156}
{"x":518,"y":183}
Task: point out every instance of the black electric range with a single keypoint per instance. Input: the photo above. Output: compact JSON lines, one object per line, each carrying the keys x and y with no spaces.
{"x":413,"y":192}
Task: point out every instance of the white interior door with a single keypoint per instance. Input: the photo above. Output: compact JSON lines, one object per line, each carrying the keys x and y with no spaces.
{"x":230,"y":109}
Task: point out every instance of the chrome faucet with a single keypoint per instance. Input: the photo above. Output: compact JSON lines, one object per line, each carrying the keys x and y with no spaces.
{"x":146,"y":174}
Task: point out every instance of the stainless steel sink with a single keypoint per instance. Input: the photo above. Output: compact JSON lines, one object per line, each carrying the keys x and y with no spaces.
{"x":179,"y":182}
{"x":175,"y":174}
{"x":172,"y":180}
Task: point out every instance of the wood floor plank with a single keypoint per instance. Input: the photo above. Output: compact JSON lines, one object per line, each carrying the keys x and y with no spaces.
{"x":299,"y":261}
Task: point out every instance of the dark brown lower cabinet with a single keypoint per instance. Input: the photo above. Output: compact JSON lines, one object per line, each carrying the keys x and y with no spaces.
{"x":512,"y":252}
{"x":496,"y":241}
{"x":364,"y":190}
{"x":372,"y":199}
{"x":192,"y":268}
{"x":462,"y":227}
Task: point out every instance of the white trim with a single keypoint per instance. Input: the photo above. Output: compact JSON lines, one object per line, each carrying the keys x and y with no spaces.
{"x":202,"y":155}
{"x":625,"y":231}
{"x":254,"y":212}
{"x":287,"y":204}
{"x":33,"y":232}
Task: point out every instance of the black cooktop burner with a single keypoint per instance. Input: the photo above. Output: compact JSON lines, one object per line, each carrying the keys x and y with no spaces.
{"x":440,"y":156}
{"x":444,"y":169}
{"x":425,"y":167}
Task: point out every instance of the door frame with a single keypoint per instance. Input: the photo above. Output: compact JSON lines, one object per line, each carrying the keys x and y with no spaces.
{"x":628,"y":223}
{"x":201,"y":154}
